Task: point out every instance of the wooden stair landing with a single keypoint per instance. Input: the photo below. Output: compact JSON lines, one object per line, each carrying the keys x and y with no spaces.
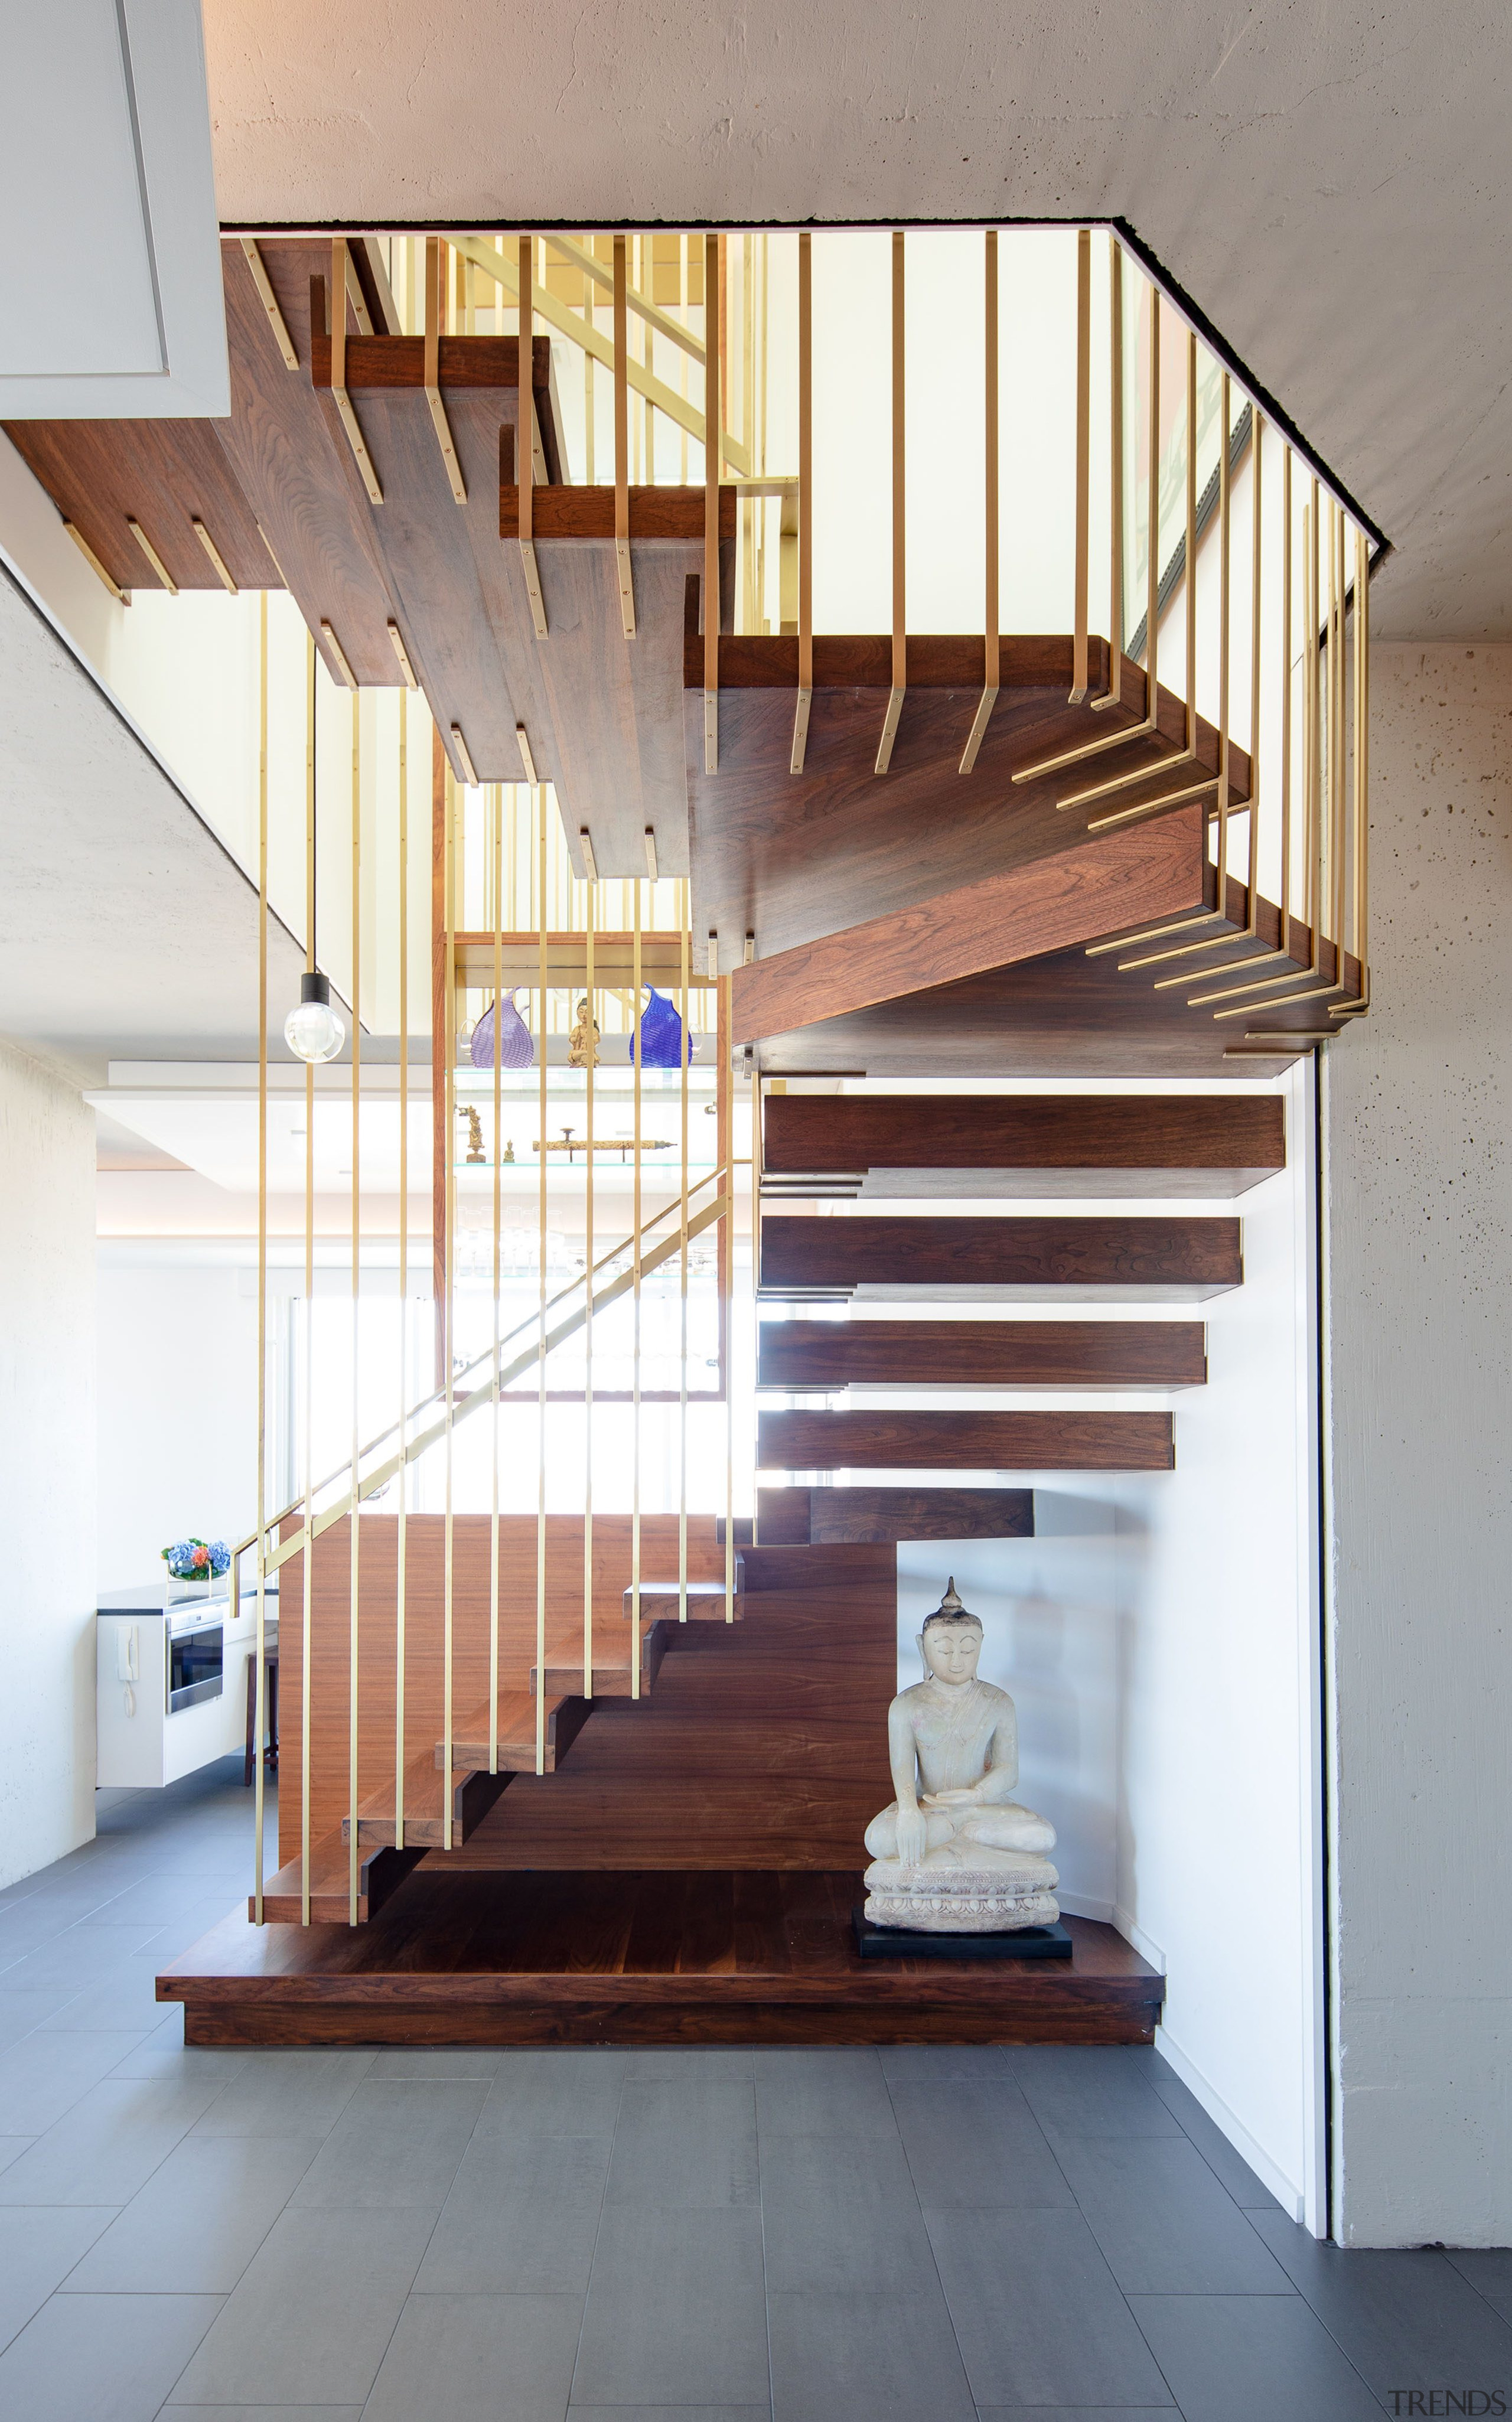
{"x":637,"y":1956}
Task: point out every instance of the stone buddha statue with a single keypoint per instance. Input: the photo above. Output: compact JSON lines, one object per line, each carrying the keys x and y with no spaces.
{"x":955,"y":1853}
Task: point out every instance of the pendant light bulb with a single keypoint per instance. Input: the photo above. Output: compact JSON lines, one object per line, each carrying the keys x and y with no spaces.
{"x":314,"y":1032}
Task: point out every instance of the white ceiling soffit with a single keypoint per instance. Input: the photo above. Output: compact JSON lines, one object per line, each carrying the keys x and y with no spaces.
{"x":1328,"y":186}
{"x":111,"y":305}
{"x":126,"y":929}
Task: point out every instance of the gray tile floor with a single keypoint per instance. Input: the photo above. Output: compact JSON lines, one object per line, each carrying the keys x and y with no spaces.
{"x":680,"y":2236}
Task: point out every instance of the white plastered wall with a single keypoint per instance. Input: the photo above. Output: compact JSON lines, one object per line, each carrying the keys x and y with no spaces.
{"x":47,"y":1457}
{"x":1159,"y":1636}
{"x":1419,"y":1257}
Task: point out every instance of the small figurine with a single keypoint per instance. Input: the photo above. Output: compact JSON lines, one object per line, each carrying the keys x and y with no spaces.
{"x":475,"y":1137}
{"x":583,"y":1042}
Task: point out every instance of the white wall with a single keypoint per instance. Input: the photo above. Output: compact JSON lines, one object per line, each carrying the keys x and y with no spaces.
{"x":1419,"y":1142}
{"x":177,"y":1409}
{"x":1159,"y":1636}
{"x":1218,"y":1865}
{"x":47,"y":1460}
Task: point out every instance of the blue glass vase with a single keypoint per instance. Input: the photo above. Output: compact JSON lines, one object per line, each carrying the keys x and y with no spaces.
{"x":660,"y":1031}
{"x":515,"y":1049}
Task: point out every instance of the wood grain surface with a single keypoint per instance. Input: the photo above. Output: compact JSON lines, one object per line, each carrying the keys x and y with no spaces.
{"x":654,"y":1956}
{"x":1170,"y":1257}
{"x":883,"y":1516}
{"x":1064,"y":896}
{"x":1229,"y":1135}
{"x":794,"y":857}
{"x":1103,"y":1354}
{"x":956,"y":1441}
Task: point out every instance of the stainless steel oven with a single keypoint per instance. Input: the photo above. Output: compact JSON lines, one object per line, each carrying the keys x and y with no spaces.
{"x":194,"y":1668}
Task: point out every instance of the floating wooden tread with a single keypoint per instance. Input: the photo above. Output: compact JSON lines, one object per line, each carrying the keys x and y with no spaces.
{"x":612,"y":1667}
{"x":1084,"y":1143}
{"x":880,"y":1517}
{"x":473,"y":1793}
{"x":662,"y":1601}
{"x":380,"y":1872}
{"x":1103,"y":1354}
{"x":514,"y":1743}
{"x":1004,"y":1256}
{"x":924,"y":1441}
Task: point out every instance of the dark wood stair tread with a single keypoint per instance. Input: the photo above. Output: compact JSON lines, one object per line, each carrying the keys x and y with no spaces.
{"x":1111,"y":1353}
{"x":380,"y":1872}
{"x":611,"y":1677}
{"x":1046,"y":1144}
{"x":1014,"y":1442}
{"x":514,"y":1733}
{"x":881,"y":1517}
{"x":662,"y":1601}
{"x":1004,"y":1256}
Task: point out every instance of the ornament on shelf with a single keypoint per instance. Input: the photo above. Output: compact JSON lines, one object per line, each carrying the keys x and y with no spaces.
{"x":583,"y":1042}
{"x":515,"y":1048}
{"x":660,"y":1031}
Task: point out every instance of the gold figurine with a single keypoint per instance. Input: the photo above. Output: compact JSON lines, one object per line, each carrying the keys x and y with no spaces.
{"x":583,"y":1042}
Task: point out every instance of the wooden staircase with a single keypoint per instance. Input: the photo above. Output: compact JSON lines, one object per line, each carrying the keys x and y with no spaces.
{"x":997,"y":1147}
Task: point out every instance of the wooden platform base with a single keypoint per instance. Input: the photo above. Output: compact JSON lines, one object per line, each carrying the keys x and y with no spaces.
{"x":715,"y":1956}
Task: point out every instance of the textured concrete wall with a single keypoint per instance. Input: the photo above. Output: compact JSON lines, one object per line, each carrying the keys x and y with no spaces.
{"x":47,"y":1467}
{"x":1419,"y":1142}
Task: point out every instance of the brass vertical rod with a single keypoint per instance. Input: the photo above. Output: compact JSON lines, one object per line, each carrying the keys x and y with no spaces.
{"x":1285,"y":692}
{"x":307,"y":1557}
{"x":755,"y":1263}
{"x":540,"y":835}
{"x":449,"y":1325}
{"x":590,"y":908}
{"x":1336,"y":648}
{"x":805,"y":697}
{"x":712,"y":409}
{"x":1083,"y":511}
{"x":635,"y":1282}
{"x":1314,"y":745}
{"x":525,"y":439}
{"x":1363,"y":757}
{"x":726,"y":1186}
{"x":1256,"y":434}
{"x":1190,"y":573}
{"x":401,"y":1525}
{"x":900,"y":515}
{"x":499,"y":1222}
{"x":686,"y":1054}
{"x":1115,"y":469}
{"x":1152,"y":569}
{"x":1225,"y":537}
{"x":992,"y":540}
{"x":621,"y":445}
{"x":353,"y":1851}
{"x":259,"y":1646}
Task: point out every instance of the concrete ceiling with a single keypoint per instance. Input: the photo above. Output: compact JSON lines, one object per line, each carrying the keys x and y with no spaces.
{"x":1328,"y":186}
{"x":126,"y":930}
